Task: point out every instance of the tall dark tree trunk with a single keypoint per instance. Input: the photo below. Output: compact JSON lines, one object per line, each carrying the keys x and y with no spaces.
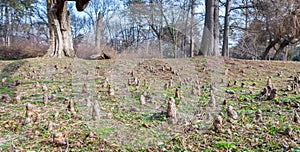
{"x":187,"y":53}
{"x":158,"y":29}
{"x":246,"y":15}
{"x":208,"y":36}
{"x":60,"y":32}
{"x":216,"y":51}
{"x":161,"y":29}
{"x":59,"y":26}
{"x":7,"y":29}
{"x":280,"y":49}
{"x":81,"y":4}
{"x":210,"y":39}
{"x":192,"y":28}
{"x":267,"y":50}
{"x":225,"y":51}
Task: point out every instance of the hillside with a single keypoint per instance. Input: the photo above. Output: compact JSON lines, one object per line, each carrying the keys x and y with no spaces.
{"x":84,"y":105}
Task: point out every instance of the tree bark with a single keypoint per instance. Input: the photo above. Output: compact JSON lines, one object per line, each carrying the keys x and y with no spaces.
{"x":60,"y":31}
{"x":7,"y":29}
{"x":280,"y":49}
{"x":81,"y":4}
{"x":246,"y":15}
{"x":192,"y":28}
{"x":98,"y":32}
{"x":270,"y":46}
{"x":216,"y":51}
{"x":210,"y":39}
{"x":60,"y":41}
{"x":208,"y":36}
{"x":226,"y":30}
{"x":160,"y":43}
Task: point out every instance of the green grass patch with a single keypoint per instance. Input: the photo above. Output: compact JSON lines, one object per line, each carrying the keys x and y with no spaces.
{"x":225,"y":144}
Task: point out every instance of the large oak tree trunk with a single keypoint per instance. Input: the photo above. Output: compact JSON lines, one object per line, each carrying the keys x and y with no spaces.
{"x":60,"y":32}
{"x":59,"y":26}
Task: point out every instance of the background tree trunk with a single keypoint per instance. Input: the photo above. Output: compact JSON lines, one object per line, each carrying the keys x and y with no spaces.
{"x":98,"y":32}
{"x":267,"y":50}
{"x":7,"y":30}
{"x":160,"y":43}
{"x":225,"y":51}
{"x":192,"y":28}
{"x":208,"y":38}
{"x":216,"y":28}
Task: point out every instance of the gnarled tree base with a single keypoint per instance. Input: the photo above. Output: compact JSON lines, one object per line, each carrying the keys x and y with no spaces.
{"x":60,"y":41}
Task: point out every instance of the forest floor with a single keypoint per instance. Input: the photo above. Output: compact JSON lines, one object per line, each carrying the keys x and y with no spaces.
{"x":84,"y":105}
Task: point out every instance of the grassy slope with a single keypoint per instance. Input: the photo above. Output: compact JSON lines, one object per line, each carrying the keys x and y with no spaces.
{"x":125,"y":124}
